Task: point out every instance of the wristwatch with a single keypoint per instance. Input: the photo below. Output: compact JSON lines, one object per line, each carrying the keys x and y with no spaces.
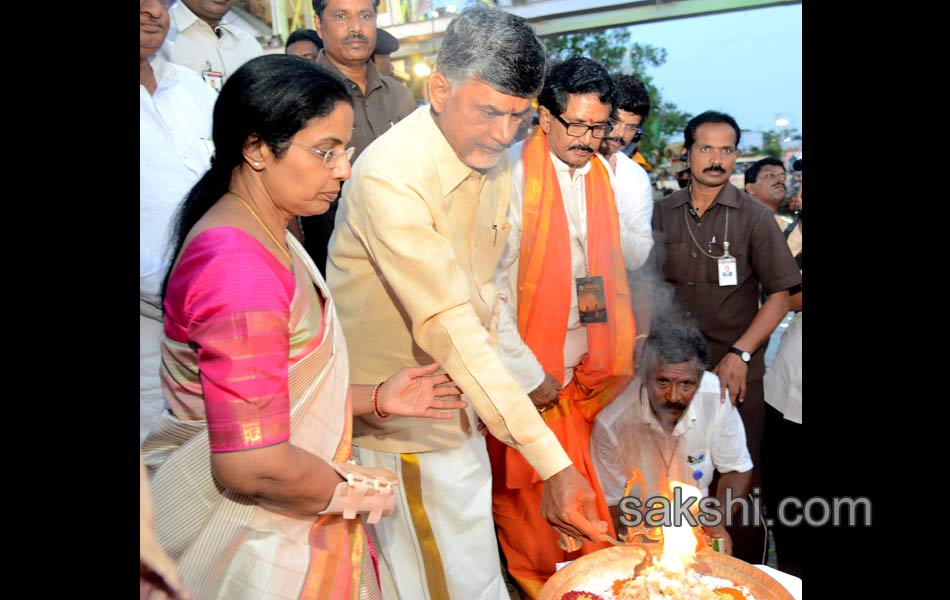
{"x":745,"y":356}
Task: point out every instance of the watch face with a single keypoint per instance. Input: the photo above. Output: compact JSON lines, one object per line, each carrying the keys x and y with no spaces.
{"x":746,"y":356}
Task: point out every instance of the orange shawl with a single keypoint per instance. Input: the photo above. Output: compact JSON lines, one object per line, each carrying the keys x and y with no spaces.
{"x":545,"y":280}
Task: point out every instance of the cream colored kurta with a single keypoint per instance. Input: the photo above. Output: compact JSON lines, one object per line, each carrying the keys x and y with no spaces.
{"x":417,"y":237}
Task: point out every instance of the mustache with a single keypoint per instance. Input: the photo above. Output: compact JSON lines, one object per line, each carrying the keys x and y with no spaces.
{"x":675,"y":406}
{"x":715,"y":168}
{"x":583,"y":147}
{"x":353,"y":37}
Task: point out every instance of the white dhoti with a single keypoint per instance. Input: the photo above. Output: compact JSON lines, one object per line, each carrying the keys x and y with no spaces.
{"x":443,"y":495}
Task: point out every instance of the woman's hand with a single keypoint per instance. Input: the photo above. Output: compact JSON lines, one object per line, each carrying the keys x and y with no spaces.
{"x":416,"y":392}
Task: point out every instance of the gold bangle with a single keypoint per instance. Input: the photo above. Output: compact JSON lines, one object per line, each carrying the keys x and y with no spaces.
{"x":642,"y":336}
{"x":379,"y":414}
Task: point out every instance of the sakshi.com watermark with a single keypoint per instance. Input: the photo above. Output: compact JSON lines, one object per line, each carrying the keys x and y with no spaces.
{"x":660,"y":511}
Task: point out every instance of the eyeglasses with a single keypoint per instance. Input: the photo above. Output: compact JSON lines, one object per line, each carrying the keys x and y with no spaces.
{"x":580,"y":129}
{"x":328,"y":156}
{"x":629,"y":128}
{"x":777,"y":175}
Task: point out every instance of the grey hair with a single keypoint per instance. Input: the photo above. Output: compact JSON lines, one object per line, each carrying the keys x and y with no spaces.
{"x":495,"y":47}
{"x":674,"y":340}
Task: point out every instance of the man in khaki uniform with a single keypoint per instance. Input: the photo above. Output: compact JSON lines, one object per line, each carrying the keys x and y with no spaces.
{"x":349,"y":34}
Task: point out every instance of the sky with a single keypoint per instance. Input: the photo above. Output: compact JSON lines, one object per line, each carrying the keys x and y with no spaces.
{"x":746,"y":63}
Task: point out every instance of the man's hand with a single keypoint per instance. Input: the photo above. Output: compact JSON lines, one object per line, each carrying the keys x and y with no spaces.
{"x":569,"y":506}
{"x":545,"y":395}
{"x":732,"y":372}
{"x":719,"y":531}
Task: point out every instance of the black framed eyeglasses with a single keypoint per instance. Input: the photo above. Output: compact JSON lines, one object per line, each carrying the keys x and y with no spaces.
{"x":580,"y":129}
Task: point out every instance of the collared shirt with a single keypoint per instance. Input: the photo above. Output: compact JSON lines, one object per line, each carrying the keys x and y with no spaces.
{"x":627,"y":435}
{"x":174,"y":152}
{"x":633,"y":194}
{"x":516,"y":355}
{"x":762,"y":258}
{"x":194,"y":44}
{"x":386,"y":102}
{"x":418,"y":235}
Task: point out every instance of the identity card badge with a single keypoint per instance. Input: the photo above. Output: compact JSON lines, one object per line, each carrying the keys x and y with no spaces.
{"x":213,"y":78}
{"x":728,"y":274}
{"x":591,"y":305}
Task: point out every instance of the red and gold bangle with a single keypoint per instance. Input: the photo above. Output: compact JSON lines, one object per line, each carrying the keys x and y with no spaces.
{"x":379,"y":414}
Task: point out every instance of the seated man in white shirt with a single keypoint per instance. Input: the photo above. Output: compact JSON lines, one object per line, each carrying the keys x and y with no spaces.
{"x":670,"y":424}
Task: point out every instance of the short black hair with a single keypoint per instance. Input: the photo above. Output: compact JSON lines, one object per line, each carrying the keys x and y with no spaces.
{"x":321,"y":5}
{"x":632,"y":96}
{"x":752,"y":172}
{"x":710,"y":116}
{"x":674,"y":340}
{"x":303,"y":35}
{"x":576,"y":75}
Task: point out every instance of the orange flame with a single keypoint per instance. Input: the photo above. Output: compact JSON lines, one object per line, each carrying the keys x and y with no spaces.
{"x":679,"y":541}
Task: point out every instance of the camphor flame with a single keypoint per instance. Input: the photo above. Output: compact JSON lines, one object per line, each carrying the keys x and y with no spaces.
{"x":679,"y":541}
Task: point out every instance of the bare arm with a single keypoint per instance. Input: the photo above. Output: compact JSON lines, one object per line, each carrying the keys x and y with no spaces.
{"x":795,"y":302}
{"x":731,"y":370}
{"x":283,"y":478}
{"x":738,"y":485}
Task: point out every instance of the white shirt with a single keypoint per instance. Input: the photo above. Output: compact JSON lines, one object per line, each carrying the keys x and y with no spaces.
{"x":633,"y":194}
{"x":515,"y":354}
{"x":174,"y":152}
{"x":193,"y":43}
{"x":783,"y":380}
{"x":627,"y":435}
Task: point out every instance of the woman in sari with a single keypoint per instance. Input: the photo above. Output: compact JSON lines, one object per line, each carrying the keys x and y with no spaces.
{"x":254,"y":494}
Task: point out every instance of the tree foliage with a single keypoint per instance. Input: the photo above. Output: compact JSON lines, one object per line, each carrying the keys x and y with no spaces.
{"x":773,"y":138}
{"x":615,"y":50}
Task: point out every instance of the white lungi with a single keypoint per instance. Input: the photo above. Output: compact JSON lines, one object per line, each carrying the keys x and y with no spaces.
{"x":456,"y":491}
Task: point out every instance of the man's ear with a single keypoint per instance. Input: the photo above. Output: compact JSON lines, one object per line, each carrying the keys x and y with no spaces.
{"x":544,"y":119}
{"x":318,"y":25}
{"x":439,"y":91}
{"x":748,"y":188}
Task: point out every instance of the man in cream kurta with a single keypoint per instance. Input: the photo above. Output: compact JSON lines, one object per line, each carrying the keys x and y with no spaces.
{"x":416,"y":241}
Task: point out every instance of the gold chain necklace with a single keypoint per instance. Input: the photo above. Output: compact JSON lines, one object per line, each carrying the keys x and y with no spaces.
{"x":280,"y":246}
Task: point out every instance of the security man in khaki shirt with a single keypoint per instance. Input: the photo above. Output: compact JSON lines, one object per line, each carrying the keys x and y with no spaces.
{"x":349,"y":34}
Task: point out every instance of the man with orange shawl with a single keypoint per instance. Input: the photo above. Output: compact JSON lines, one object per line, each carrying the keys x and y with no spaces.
{"x":566,"y":327}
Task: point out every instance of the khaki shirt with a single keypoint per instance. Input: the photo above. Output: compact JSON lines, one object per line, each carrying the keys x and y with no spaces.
{"x":762,"y":258}
{"x":416,"y":241}
{"x":386,"y":102}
